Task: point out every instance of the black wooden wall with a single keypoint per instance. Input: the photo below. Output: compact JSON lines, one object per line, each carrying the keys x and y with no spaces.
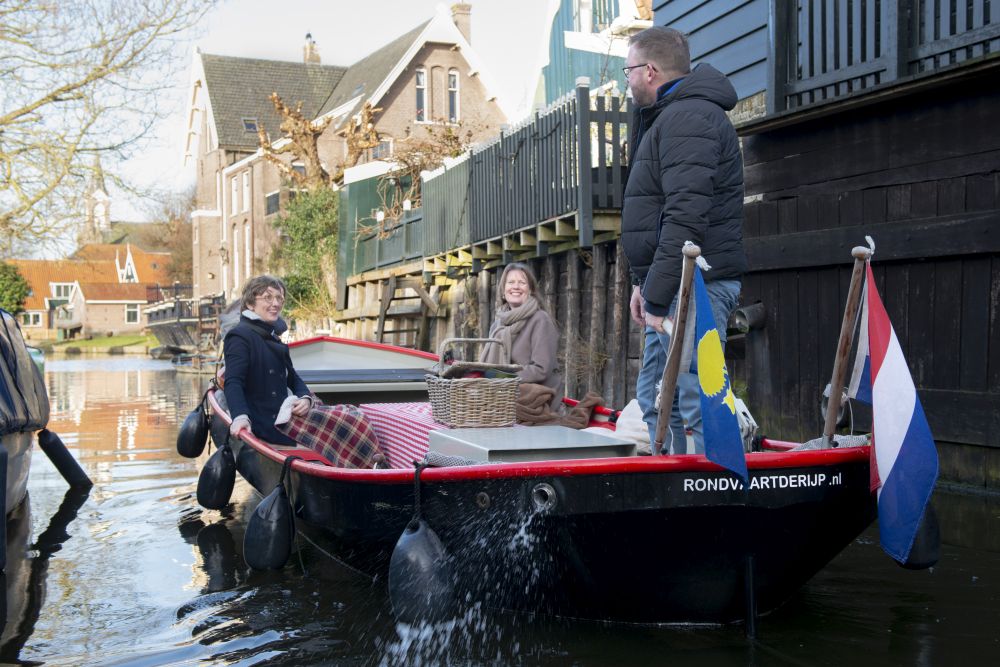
{"x":920,"y":172}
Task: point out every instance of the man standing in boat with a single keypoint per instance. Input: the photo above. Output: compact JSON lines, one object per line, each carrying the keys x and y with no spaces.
{"x":685,"y":183}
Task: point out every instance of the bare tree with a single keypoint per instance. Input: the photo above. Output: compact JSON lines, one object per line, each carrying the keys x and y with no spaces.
{"x":171,"y":231}
{"x":80,"y":77}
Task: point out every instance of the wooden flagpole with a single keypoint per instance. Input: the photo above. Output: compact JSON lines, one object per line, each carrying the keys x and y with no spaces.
{"x":861,"y":256}
{"x":668,"y":385}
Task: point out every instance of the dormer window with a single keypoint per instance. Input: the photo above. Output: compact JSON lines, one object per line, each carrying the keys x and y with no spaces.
{"x":249,"y":124}
{"x":421,"y":86}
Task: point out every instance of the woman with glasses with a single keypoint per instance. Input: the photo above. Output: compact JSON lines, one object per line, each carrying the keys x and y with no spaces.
{"x":258,"y":374}
{"x":267,"y":396}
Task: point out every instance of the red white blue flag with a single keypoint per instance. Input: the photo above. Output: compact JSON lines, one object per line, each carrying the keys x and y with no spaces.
{"x":904,"y":457}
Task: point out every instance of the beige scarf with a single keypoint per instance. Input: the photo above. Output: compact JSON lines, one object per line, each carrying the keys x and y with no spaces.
{"x":508,"y":324}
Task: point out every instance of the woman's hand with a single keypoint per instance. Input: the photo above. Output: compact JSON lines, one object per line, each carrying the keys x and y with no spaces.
{"x":302,"y":406}
{"x":240,"y":423}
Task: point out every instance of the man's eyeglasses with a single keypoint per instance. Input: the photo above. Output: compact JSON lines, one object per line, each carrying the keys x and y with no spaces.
{"x":272,"y":298}
{"x":629,"y":68}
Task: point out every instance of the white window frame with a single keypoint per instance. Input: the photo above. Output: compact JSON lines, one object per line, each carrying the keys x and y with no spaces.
{"x":236,"y":257}
{"x":246,"y":250}
{"x":234,"y":193}
{"x":131,"y":308}
{"x":59,"y":287}
{"x":422,"y":95}
{"x":31,"y":319}
{"x":246,"y":191}
{"x":454,"y":90}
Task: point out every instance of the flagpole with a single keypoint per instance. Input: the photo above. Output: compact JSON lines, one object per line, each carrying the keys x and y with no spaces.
{"x":861,"y":256}
{"x":668,"y":385}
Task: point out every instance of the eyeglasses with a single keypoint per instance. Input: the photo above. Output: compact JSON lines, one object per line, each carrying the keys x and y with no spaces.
{"x":629,"y":68}
{"x":271,"y":298}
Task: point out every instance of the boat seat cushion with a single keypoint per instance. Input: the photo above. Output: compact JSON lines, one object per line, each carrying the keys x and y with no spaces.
{"x":403,"y":430}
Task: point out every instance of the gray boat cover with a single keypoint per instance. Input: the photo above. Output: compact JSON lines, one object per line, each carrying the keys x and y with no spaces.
{"x":24,"y":403}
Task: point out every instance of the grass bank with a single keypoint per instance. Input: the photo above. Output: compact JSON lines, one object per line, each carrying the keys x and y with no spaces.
{"x":129,"y":343}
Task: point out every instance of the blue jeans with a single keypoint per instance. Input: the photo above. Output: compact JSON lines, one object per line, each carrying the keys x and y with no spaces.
{"x":724,"y":295}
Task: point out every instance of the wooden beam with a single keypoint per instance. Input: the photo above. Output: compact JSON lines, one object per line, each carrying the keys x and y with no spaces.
{"x":528,"y":238}
{"x":565,"y":228}
{"x":604,"y":222}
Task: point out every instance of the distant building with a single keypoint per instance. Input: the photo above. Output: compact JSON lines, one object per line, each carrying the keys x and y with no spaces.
{"x":426,"y":78}
{"x":101,"y":289}
{"x":588,"y":38}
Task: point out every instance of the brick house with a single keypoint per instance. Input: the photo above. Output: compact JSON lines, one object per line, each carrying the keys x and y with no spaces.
{"x":424,"y":78}
{"x":98,"y":290}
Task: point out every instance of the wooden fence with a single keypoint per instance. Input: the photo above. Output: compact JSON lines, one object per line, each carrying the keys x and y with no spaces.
{"x":824,"y":49}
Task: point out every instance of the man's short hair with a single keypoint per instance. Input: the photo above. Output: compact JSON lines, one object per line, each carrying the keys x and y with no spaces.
{"x":666,"y":48}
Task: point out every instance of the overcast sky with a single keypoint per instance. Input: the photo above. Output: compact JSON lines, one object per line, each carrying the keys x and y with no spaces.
{"x":508,"y":35}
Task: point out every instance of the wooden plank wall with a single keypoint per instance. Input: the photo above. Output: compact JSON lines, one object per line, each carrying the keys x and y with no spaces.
{"x":921,"y":174}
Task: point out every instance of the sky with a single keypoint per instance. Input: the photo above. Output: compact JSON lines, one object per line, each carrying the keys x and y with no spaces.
{"x":508,"y":35}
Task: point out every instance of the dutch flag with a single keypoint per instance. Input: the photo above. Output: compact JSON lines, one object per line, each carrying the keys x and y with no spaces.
{"x":904,"y":458}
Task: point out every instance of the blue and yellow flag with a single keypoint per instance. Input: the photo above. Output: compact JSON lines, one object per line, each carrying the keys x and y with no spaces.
{"x":723,"y":444}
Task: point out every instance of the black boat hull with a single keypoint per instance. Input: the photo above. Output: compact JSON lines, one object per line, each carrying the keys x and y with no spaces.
{"x":652,"y":540}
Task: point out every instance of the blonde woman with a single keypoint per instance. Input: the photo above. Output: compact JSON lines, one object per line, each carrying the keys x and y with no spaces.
{"x":528,"y":331}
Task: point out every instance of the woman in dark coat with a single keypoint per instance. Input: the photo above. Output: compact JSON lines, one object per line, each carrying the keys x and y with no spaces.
{"x":259,"y":375}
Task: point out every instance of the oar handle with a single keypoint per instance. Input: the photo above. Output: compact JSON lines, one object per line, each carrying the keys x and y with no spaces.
{"x":861,"y":256}
{"x":668,"y":385}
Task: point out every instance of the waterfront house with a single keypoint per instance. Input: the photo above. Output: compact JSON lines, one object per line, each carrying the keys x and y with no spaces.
{"x":426,"y":78}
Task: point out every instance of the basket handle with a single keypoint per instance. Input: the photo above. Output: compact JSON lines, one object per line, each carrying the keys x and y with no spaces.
{"x":448,"y":341}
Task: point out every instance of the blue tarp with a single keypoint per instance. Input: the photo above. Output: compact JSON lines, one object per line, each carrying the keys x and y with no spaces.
{"x":24,"y":404}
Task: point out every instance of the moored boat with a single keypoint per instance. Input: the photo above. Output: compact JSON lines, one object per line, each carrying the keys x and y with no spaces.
{"x":24,"y":409}
{"x":629,"y":538}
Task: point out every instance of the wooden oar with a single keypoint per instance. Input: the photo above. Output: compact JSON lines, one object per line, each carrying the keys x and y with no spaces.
{"x":861,"y":255}
{"x":669,"y":383}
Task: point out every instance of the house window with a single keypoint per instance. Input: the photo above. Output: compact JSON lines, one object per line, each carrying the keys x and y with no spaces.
{"x":234,"y":192}
{"x":236,"y":256}
{"x":246,"y":191}
{"x":131,"y":313}
{"x":421,"y":95}
{"x":62,"y":290}
{"x":272,"y":203}
{"x":299,"y":169}
{"x":249,"y":124}
{"x":383,"y":151}
{"x":31,"y":319}
{"x":247,"y":255}
{"x":452,"y":96}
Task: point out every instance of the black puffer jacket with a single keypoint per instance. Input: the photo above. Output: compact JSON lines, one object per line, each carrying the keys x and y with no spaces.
{"x":685,"y":183}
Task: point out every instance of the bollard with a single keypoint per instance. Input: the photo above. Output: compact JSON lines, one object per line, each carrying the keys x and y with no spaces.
{"x":61,"y":458}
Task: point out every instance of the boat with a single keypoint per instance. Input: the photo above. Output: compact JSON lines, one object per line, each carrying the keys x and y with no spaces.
{"x":196,"y":364}
{"x":540,"y":521}
{"x":24,"y":414}
{"x":649,"y":539}
{"x":24,"y":409}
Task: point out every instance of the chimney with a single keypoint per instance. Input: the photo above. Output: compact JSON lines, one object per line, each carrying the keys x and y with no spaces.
{"x":310,"y":52}
{"x":461,"y":14}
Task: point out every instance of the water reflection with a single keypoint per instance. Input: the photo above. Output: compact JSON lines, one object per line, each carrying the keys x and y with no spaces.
{"x":143,"y":576}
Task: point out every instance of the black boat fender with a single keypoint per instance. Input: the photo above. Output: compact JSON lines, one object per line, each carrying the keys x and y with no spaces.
{"x":217,"y":478}
{"x":267,"y":543}
{"x":421,"y":582}
{"x":63,"y":460}
{"x":193,"y":433}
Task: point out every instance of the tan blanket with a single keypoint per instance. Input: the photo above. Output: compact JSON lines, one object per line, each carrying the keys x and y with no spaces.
{"x":533,"y":407}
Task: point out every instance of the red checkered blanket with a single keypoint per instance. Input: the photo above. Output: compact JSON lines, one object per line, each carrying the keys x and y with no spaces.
{"x":341,"y":433}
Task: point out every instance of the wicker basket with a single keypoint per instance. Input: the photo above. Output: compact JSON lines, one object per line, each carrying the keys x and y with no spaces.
{"x":473,"y":402}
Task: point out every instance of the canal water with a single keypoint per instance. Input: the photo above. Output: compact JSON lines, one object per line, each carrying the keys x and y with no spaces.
{"x":136,"y":573}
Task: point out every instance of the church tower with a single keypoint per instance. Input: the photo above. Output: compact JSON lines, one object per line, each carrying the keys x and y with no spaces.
{"x":98,"y":207}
